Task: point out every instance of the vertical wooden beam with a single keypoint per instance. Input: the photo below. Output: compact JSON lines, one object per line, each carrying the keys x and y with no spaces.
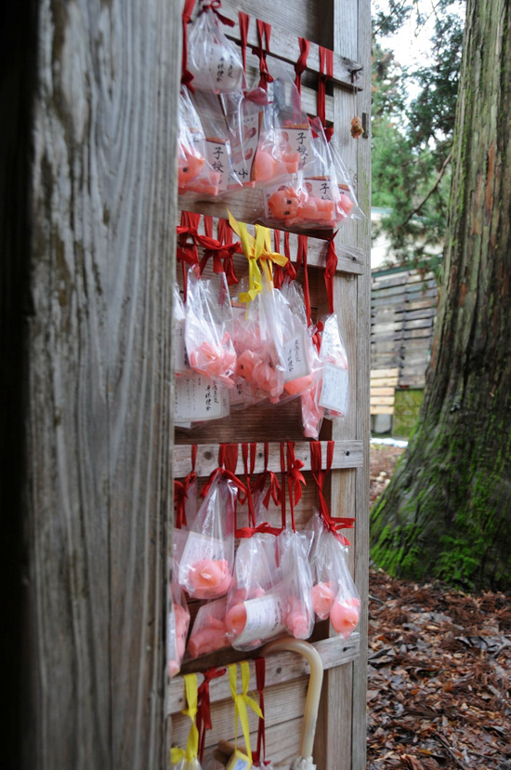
{"x":96,"y":457}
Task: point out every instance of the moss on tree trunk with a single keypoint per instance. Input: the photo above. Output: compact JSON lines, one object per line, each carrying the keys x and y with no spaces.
{"x":447,"y":511}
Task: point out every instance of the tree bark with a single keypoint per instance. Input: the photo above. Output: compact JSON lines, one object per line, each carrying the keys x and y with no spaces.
{"x":447,"y":512}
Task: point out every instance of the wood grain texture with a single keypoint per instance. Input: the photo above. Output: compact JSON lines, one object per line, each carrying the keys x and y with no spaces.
{"x":280,"y":667}
{"x":347,"y":454}
{"x":103,"y":217}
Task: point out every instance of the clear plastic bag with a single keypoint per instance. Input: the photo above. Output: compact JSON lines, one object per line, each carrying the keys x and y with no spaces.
{"x":217,"y":141}
{"x":256,"y":605}
{"x":187,"y":764}
{"x":285,"y":141}
{"x":301,"y":351}
{"x":259,"y":359}
{"x":334,"y":594}
{"x":195,"y":174}
{"x":213,"y":60}
{"x":334,"y":394}
{"x":297,"y":578}
{"x":300,"y":202}
{"x":179,"y":621}
{"x":208,"y":331}
{"x":245,"y":116}
{"x":205,"y":568}
{"x":179,"y":357}
{"x":209,"y":632}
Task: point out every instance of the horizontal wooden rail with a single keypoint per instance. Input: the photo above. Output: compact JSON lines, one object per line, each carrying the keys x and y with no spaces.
{"x":347,"y":73}
{"x":347,"y":454}
{"x":280,"y":667}
{"x":350,"y":259}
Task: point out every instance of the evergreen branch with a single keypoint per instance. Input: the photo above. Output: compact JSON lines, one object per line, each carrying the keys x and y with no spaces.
{"x":430,"y":193}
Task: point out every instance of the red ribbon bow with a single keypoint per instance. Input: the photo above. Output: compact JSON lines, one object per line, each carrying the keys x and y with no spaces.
{"x":214,"y":6}
{"x":301,"y":64}
{"x":265,"y":529}
{"x":227,"y":462}
{"x":330,"y":269}
{"x":295,"y":479}
{"x":186,"y":75}
{"x":204,"y":707}
{"x":332,"y":523}
{"x":326,"y":57}
{"x":222,"y":252}
{"x":186,"y":244}
{"x":263,"y":32}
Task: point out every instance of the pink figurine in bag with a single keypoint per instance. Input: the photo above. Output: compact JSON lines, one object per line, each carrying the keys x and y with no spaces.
{"x":209,"y":326}
{"x":334,"y":593}
{"x":294,"y":565}
{"x":205,"y":569}
{"x":195,"y":174}
{"x":209,"y":631}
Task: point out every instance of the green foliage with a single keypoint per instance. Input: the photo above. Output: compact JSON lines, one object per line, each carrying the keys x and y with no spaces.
{"x":412,"y":139}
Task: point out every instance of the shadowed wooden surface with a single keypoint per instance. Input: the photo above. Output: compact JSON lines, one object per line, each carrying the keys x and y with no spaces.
{"x":103,"y":216}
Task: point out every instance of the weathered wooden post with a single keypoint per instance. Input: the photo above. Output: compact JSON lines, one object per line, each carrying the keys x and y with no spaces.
{"x":89,"y":209}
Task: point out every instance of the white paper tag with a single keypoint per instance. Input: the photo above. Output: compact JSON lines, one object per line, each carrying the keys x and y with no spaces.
{"x":295,"y":358}
{"x":199,"y":547}
{"x":178,"y":341}
{"x":241,"y":393}
{"x":225,"y":68}
{"x":295,"y":139}
{"x":334,"y":390}
{"x":265,"y":618}
{"x":218,"y":158}
{"x":321,"y":187}
{"x":197,"y":398}
{"x":243,"y":153}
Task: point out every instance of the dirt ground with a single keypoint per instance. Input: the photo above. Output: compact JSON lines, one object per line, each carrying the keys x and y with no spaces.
{"x":439,"y":676}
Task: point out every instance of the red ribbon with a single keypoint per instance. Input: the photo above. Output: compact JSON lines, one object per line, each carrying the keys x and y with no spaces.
{"x":295,"y":479}
{"x":260,"y":666}
{"x":301,"y":64}
{"x":214,"y":6}
{"x":330,"y":270}
{"x":204,"y":707}
{"x":301,"y":258}
{"x":248,"y":472}
{"x":186,"y":75}
{"x":181,"y":489}
{"x":265,"y":528}
{"x":332,"y":523}
{"x":283,"y":486}
{"x":186,"y":244}
{"x":326,"y":59}
{"x":221,"y":253}
{"x":263,"y":32}
{"x":227,"y":462}
{"x":243,"y":22}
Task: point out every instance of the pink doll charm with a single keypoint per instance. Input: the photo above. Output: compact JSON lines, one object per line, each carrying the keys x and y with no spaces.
{"x":209,"y":631}
{"x":296,"y":206}
{"x":209,"y":578}
{"x":344,"y":616}
{"x":215,"y":360}
{"x":323,"y":598}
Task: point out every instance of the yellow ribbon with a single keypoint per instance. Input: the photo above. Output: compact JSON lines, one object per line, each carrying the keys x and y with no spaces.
{"x":241,"y":701}
{"x":192,"y":744}
{"x":258,"y":248}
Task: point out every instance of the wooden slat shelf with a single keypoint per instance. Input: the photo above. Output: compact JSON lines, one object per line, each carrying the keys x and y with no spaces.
{"x":280,"y":667}
{"x":347,"y":454}
{"x":285,"y":47}
{"x":351,"y":259}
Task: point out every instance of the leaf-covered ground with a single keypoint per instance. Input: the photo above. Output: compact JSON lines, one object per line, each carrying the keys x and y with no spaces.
{"x":439,"y":685}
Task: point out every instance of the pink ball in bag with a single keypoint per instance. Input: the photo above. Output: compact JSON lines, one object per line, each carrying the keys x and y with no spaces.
{"x":297,"y":620}
{"x":344,"y":616}
{"x":210,"y":578}
{"x":345,"y":203}
{"x":236,"y":619}
{"x":210,"y":638}
{"x":322,"y":600}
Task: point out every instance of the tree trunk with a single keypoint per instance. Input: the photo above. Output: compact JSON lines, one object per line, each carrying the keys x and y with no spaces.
{"x":447,"y":512}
